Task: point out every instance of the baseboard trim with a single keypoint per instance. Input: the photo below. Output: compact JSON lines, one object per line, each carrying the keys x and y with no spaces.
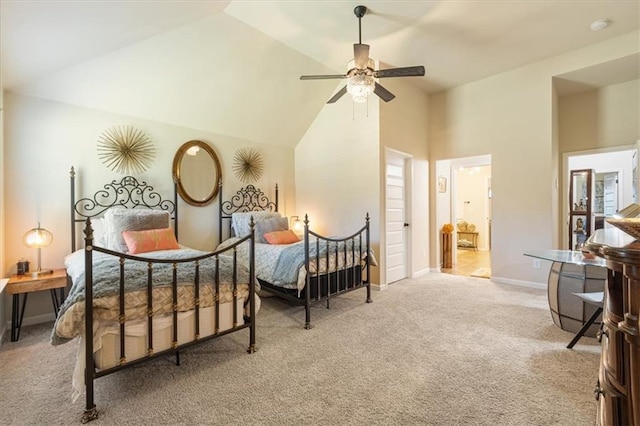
{"x":379,"y":287}
{"x":421,"y":273}
{"x":519,"y":283}
{"x":37,"y":319}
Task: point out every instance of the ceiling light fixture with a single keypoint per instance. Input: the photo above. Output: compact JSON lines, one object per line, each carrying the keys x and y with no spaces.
{"x":360,"y":86}
{"x":599,"y":25}
{"x":362,"y":77}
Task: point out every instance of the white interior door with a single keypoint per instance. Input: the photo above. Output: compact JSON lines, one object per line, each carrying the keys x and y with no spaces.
{"x":610,"y":193}
{"x":396,"y":246}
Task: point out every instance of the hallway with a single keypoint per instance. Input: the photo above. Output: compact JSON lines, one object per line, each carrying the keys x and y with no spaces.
{"x":471,"y":263}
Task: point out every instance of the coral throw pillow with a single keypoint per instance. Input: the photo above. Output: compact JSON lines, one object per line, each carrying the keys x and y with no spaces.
{"x":150,"y":240}
{"x":281,"y":237}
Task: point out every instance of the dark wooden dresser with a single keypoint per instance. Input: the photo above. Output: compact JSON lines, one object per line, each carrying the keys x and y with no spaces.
{"x":618,"y":388}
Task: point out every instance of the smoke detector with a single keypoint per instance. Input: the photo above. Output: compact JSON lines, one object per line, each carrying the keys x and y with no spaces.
{"x":599,"y":25}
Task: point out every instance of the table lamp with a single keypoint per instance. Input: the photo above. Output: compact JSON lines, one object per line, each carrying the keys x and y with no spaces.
{"x":38,"y":238}
{"x":296,"y":225}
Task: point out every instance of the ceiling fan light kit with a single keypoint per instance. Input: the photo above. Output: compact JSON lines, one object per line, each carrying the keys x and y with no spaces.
{"x":360,"y":86}
{"x":361,"y":74}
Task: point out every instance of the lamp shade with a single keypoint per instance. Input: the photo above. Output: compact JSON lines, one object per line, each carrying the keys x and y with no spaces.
{"x":37,"y":237}
{"x":296,"y":225}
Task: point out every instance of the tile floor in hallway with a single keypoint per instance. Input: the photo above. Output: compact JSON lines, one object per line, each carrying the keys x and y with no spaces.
{"x":471,"y":262}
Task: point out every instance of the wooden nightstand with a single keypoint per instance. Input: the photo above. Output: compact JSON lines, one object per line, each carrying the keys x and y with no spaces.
{"x":25,"y":284}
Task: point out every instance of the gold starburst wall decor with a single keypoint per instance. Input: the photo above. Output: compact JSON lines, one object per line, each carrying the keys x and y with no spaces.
{"x":248,"y":165}
{"x":125,"y":150}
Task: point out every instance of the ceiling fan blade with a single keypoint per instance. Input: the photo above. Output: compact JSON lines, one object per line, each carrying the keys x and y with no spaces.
{"x":322,"y":77}
{"x":383,"y":93}
{"x":417,"y":71}
{"x":360,"y":55}
{"x":338,"y":95}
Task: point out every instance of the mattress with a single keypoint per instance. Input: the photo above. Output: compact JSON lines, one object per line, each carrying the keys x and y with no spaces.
{"x":136,"y":340}
{"x":106,"y":342}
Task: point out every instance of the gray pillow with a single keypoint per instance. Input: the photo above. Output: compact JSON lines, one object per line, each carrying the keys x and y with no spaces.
{"x":264,"y":226}
{"x":240,"y":221}
{"x":118,"y":220}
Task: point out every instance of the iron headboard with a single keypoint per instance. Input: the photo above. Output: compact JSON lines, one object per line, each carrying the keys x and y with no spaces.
{"x":247,"y":199}
{"x":128,"y":192}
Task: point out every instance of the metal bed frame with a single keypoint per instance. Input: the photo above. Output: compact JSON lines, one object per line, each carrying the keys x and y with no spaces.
{"x":131,"y":193}
{"x":318,"y":287}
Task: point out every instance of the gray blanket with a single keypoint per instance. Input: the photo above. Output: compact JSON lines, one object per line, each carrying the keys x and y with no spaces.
{"x":106,"y":274}
{"x":291,"y":258}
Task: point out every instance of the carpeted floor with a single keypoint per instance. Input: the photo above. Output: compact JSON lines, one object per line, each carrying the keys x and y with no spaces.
{"x":439,"y":350}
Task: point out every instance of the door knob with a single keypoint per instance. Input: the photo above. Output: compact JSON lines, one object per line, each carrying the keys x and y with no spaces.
{"x":406,"y":224}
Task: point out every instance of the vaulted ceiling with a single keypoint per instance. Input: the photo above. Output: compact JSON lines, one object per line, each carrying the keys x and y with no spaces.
{"x":222,"y":65}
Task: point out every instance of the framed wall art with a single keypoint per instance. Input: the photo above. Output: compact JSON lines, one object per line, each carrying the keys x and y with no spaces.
{"x":442,"y":184}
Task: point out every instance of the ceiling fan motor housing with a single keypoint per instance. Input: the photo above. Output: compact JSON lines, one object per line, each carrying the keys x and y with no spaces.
{"x":360,"y":11}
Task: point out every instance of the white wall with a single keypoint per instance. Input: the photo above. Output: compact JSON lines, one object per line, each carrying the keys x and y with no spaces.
{"x":472,"y":200}
{"x":44,"y":139}
{"x":607,"y":162}
{"x":441,"y":203}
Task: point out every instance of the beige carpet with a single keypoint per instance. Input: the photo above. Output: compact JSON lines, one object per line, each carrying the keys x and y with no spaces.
{"x":440,"y":350}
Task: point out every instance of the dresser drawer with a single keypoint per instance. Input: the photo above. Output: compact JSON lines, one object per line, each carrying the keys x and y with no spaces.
{"x":611,"y":404}
{"x":613,"y":356}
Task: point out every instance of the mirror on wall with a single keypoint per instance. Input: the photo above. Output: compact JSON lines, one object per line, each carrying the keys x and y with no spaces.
{"x":197,"y":171}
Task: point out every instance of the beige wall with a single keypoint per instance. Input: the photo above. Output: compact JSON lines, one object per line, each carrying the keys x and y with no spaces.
{"x":511,"y":117}
{"x":2,"y":168}
{"x":337,"y":170}
{"x":404,"y":128}
{"x":340,"y":168}
{"x":603,"y":118}
{"x":593,"y":120}
{"x":45,"y":138}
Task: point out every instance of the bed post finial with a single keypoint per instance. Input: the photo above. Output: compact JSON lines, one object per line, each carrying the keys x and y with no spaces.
{"x":88,"y":233}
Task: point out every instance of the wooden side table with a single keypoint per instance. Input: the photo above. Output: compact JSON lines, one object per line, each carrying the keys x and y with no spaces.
{"x":470,"y":234}
{"x":25,"y":284}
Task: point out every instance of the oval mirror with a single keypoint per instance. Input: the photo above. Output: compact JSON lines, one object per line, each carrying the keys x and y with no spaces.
{"x":196,"y":170}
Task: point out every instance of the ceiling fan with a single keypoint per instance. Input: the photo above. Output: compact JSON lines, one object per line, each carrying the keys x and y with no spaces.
{"x":361,"y":75}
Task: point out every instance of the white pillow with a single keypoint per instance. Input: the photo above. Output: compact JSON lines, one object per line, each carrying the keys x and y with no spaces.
{"x":118,"y":220}
{"x":240,"y":221}
{"x":99,"y":231}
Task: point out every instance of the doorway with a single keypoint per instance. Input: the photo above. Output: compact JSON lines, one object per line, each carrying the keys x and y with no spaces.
{"x":472,"y":209}
{"x":467,"y":206}
{"x":612,"y":188}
